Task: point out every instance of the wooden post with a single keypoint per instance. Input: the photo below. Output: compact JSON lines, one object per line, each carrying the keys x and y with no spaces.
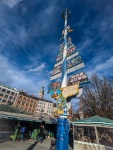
{"x":97,"y":139}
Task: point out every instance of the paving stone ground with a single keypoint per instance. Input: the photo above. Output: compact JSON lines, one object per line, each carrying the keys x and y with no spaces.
{"x":27,"y":145}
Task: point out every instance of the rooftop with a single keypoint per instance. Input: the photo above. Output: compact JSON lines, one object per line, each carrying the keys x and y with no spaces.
{"x":34,"y":97}
{"x":9,"y":87}
{"x":24,"y":117}
{"x":10,"y":108}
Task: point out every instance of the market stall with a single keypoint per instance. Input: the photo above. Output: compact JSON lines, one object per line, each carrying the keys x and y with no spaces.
{"x":93,"y":133}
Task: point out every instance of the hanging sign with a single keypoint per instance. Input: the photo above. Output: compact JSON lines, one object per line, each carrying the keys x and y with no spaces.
{"x":57,"y":70}
{"x":71,"y":51}
{"x":54,"y":86}
{"x":59,"y":58}
{"x":78,"y":78}
{"x":56,"y":76}
{"x":74,"y":61}
{"x":76,"y":67}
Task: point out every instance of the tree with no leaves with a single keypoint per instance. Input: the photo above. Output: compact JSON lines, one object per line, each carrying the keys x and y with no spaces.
{"x":97,"y":98}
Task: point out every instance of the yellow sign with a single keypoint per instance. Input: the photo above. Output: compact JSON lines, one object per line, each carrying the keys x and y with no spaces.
{"x":70,"y":90}
{"x":60,"y":112}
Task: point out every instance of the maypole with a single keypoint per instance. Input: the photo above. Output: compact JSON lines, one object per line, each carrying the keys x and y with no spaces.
{"x":62,"y":87}
{"x":63,"y":124}
{"x":65,"y":16}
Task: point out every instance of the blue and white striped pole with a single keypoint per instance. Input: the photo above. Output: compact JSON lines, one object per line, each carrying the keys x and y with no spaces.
{"x":63,"y":124}
{"x":65,"y":15}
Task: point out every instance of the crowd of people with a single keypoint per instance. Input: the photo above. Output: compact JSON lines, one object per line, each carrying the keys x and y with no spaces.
{"x":41,"y":133}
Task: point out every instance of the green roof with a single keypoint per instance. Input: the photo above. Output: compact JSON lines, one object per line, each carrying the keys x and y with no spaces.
{"x":26,"y":117}
{"x":95,"y":120}
{"x":10,"y":108}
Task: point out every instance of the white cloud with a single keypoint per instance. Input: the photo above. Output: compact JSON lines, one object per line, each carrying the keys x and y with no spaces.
{"x":13,"y":77}
{"x":37,"y":69}
{"x":103,"y":68}
{"x":12,"y":3}
{"x":83,"y":46}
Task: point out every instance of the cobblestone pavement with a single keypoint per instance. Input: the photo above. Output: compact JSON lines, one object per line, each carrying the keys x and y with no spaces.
{"x":27,"y":145}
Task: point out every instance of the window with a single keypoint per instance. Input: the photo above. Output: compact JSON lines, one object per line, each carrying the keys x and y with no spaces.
{"x":9,"y":102}
{"x":1,"y":94}
{"x":3,"y":100}
{"x":3,"y":90}
{"x":8,"y":92}
{"x":18,"y":102}
{"x":6,"y":96}
{"x":12,"y":93}
{"x":10,"y":97}
{"x":24,"y":98}
{"x":20,"y":97}
{"x":23,"y":103}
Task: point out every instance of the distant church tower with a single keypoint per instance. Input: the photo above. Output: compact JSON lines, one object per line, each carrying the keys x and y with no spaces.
{"x":41,"y":93}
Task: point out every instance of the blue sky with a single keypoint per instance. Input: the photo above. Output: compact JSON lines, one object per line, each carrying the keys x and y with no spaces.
{"x":29,"y":39}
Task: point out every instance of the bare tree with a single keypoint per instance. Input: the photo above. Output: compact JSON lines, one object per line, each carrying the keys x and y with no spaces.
{"x":97,"y":98}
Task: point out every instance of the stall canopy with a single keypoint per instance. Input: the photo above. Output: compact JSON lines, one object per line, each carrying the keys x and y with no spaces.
{"x":95,"y":120}
{"x":25,"y":117}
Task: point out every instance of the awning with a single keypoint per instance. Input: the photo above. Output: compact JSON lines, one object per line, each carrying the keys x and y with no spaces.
{"x":24,"y":117}
{"x":95,"y":120}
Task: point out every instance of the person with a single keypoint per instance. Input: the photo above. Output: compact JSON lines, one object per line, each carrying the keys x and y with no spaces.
{"x":40,"y":135}
{"x":22,"y":132}
{"x":44,"y":132}
{"x":17,"y":132}
{"x":71,"y":138}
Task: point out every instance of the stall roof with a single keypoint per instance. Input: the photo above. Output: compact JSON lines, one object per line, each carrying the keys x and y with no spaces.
{"x":95,"y":120}
{"x":10,"y":108}
{"x":24,"y":117}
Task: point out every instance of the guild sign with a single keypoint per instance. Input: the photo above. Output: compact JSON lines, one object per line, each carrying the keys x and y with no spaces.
{"x":78,"y":78}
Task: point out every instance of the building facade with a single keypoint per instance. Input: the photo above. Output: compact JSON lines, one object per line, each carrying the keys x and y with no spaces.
{"x":8,"y":95}
{"x":45,"y":106}
{"x":27,"y":103}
